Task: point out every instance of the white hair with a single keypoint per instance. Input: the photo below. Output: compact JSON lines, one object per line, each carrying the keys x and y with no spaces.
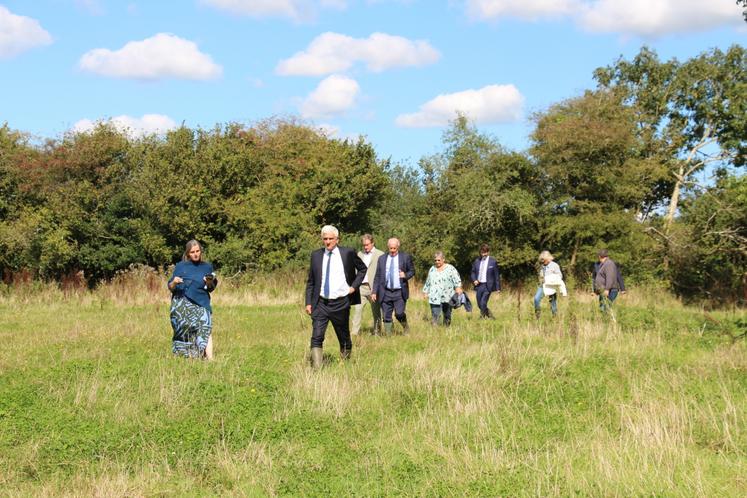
{"x":330,"y":229}
{"x":545,"y":256}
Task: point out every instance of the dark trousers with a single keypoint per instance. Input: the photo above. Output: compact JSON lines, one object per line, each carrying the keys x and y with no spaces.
{"x":393,"y":301}
{"x":336,"y":311}
{"x":436,"y":310}
{"x":483,"y":294}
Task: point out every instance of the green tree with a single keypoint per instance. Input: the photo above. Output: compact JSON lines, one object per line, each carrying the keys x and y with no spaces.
{"x":709,"y":243}
{"x":689,"y":115}
{"x":475,"y":192}
{"x":598,"y":187}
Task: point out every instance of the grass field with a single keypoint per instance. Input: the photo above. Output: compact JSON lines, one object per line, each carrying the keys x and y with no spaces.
{"x":93,"y":404}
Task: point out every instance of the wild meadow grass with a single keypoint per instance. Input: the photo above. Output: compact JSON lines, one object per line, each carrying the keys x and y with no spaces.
{"x":93,"y":404}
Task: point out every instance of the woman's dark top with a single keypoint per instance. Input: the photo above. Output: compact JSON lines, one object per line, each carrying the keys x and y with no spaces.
{"x":194,"y":287}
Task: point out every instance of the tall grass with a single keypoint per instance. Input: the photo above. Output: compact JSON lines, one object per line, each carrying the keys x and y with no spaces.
{"x":92,"y":403}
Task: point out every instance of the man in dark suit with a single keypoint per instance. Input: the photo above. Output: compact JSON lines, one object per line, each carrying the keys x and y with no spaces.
{"x":335,"y":274}
{"x":486,"y":278}
{"x":390,"y":286}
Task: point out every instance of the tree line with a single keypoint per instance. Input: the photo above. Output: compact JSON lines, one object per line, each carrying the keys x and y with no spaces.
{"x":648,"y":164}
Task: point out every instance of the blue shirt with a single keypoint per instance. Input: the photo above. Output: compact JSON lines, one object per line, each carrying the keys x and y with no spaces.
{"x":193,"y":287}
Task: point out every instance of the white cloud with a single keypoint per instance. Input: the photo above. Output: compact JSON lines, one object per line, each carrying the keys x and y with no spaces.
{"x":332,"y":52}
{"x":161,"y":56}
{"x":333,"y":96}
{"x":489,"y":104}
{"x":20,"y":33}
{"x":135,"y":127}
{"x":522,"y":9}
{"x":296,"y":10}
{"x":648,"y":18}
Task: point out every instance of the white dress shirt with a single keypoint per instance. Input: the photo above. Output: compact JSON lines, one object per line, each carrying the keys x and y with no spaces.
{"x":367,"y":257}
{"x":338,"y":285}
{"x":483,"y":275}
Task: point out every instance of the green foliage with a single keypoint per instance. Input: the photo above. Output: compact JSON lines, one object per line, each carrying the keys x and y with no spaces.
{"x":599,"y":172}
{"x":598,"y":185}
{"x":476,"y":192}
{"x":709,"y":248}
{"x":255,"y":196}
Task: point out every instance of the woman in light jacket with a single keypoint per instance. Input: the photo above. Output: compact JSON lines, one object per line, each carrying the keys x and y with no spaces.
{"x":551,"y":283}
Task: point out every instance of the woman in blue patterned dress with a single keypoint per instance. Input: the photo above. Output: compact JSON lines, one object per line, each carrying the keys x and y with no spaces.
{"x":442,"y":282}
{"x":191,"y":315}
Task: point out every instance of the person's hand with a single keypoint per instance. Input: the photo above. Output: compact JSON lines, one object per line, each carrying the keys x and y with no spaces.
{"x":373,"y":297}
{"x":176,"y":281}
{"x":606,"y":293}
{"x":623,"y":292}
{"x":308,"y":309}
{"x":351,"y":291}
{"x":476,"y":283}
{"x":401,"y":274}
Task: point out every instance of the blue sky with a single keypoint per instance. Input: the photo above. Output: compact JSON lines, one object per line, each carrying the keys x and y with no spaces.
{"x":395,"y":71}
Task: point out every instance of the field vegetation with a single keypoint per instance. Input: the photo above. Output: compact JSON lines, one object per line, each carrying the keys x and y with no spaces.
{"x":93,"y":404}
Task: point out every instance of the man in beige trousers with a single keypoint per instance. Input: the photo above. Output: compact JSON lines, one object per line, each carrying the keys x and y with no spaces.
{"x":370,"y":256}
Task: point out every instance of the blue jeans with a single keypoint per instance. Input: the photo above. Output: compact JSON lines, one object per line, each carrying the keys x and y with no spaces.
{"x":553,"y":300}
{"x":606,"y":302}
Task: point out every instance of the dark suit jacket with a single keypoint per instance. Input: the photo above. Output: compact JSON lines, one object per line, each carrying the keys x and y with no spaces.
{"x":492,"y":276}
{"x":405,"y":265}
{"x":355,"y":272}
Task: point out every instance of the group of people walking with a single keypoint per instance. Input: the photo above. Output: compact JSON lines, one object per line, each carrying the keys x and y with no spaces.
{"x":339,"y":279}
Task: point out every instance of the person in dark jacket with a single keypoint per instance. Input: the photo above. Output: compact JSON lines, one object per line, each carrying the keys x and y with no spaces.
{"x":390,"y":288}
{"x":607,"y":281}
{"x":191,"y":314}
{"x":486,"y":278}
{"x":335,"y":276}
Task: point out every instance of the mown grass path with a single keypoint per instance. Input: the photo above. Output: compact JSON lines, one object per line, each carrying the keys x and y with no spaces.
{"x":92,"y":403}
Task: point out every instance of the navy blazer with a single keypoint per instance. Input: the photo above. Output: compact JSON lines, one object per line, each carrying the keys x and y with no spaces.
{"x":405,"y":265}
{"x":492,"y":276}
{"x":355,"y":272}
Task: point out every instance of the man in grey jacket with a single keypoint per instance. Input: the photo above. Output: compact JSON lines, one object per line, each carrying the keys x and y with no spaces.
{"x":606,"y":281}
{"x":370,"y":256}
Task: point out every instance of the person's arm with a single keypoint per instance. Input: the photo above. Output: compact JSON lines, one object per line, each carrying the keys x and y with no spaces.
{"x":456,"y":280}
{"x":361,"y":270}
{"x":427,"y":285}
{"x":211,"y":280}
{"x":174,"y":280}
{"x":409,"y":268}
{"x":474,"y":274}
{"x":375,"y":283}
{"x":310,"y":285}
{"x":497,"y":277}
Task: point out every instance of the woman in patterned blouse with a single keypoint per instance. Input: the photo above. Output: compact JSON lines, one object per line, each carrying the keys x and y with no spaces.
{"x":191,"y":314}
{"x":442,"y":282}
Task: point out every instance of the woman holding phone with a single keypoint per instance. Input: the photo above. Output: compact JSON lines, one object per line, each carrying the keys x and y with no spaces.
{"x":191,"y":315}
